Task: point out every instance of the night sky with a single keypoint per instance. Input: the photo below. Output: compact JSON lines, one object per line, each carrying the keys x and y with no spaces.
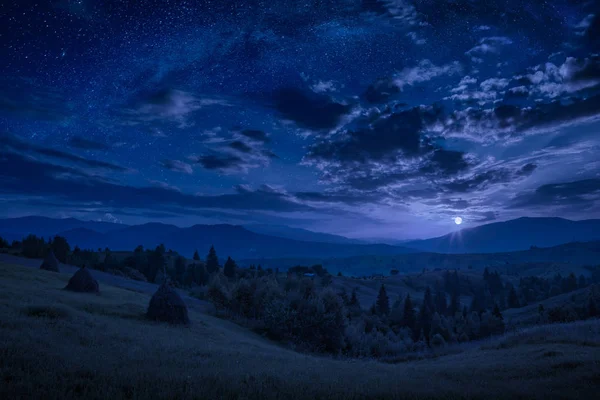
{"x":372,"y":118}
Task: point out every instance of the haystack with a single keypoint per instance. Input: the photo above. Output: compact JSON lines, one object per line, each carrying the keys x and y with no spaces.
{"x":83,"y":281}
{"x":50,"y":262}
{"x":167,"y":306}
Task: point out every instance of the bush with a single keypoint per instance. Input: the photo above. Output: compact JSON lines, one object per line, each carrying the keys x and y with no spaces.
{"x":218,"y":295}
{"x":438,"y":341}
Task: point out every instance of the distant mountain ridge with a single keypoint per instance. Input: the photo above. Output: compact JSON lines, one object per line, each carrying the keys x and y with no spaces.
{"x":301,"y":234}
{"x":273,"y":241}
{"x":229,"y":240}
{"x":513,"y":235}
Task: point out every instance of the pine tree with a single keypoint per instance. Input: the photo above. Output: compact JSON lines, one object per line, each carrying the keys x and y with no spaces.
{"x":428,"y":300}
{"x":513,"y":299}
{"x":592,"y":309}
{"x":180,"y":267}
{"x":354,"y":299}
{"x":383,"y":302}
{"x":212,"y":261}
{"x":454,"y":304}
{"x":408,"y":317}
{"x":425,"y":321}
{"x":496,"y":313}
{"x":581,"y":282}
{"x":196,"y":256}
{"x":441,"y":305}
{"x":229,"y":268}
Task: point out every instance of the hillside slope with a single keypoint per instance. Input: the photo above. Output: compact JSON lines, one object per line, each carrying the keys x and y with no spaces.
{"x":50,"y":337}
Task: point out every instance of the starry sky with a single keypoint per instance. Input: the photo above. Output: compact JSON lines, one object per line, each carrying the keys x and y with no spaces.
{"x":367,"y":118}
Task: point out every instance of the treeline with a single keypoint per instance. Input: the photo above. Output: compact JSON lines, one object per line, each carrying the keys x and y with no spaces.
{"x":152,"y":265}
{"x":308,"y":313}
{"x":33,"y":246}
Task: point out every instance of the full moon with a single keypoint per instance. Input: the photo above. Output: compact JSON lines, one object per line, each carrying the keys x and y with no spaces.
{"x":458,"y":220}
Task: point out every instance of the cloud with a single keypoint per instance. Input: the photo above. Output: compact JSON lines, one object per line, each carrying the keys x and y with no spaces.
{"x":381,"y":91}
{"x":241,"y":146}
{"x":22,"y":175}
{"x":177,"y":166}
{"x":13,"y":144}
{"x":317,"y":112}
{"x":487,"y":45}
{"x":399,"y":11}
{"x":574,"y":75}
{"x":86,"y":144}
{"x":423,"y":72}
{"x":323,"y":87}
{"x":236,"y":151}
{"x":167,"y":105}
{"x":513,"y":122}
{"x":582,"y":194}
{"x":220,"y":162}
{"x":24,"y":98}
{"x":255,"y":135}
{"x":392,"y":148}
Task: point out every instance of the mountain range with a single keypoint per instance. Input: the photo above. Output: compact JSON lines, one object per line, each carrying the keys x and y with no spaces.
{"x":276,"y":241}
{"x":229,"y":240}
{"x":514,"y":235}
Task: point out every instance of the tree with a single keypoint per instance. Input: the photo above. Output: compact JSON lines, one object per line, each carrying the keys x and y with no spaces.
{"x":180,"y":267}
{"x":156,"y":263}
{"x":581,"y":282}
{"x":571,"y":282}
{"x":425,"y":321}
{"x":34,"y":247}
{"x":3,"y":243}
{"x":428,"y":300}
{"x":592,"y":309}
{"x":61,"y":248}
{"x":354,"y":299}
{"x":196,"y":256}
{"x":513,"y":299}
{"x":383,"y":302}
{"x":496,"y":312}
{"x":454,"y":304}
{"x":229,"y":268}
{"x":440,"y":301}
{"x":212,"y":261}
{"x":408,"y":317}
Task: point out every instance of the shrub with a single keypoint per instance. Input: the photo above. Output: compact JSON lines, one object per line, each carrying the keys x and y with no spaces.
{"x":438,"y":341}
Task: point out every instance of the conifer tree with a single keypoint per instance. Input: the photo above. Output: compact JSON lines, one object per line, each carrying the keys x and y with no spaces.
{"x":496,"y":312}
{"x":441,"y":305}
{"x":383,"y":301}
{"x":454,"y":304}
{"x":408,"y":317}
{"x":354,"y":299}
{"x":428,"y":300}
{"x":212,"y":261}
{"x":196,"y":256}
{"x":513,"y":299}
{"x":229,"y":268}
{"x":592,"y":309}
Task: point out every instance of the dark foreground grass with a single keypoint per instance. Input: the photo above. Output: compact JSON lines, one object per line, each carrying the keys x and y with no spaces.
{"x":56,"y":344}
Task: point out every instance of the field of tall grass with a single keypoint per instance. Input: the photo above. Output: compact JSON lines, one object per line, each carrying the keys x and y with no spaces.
{"x":61,"y":345}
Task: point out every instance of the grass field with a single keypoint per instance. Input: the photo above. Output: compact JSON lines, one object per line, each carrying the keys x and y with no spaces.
{"x":60,"y":345}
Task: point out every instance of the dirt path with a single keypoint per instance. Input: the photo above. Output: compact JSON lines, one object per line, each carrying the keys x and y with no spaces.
{"x":107,"y":279}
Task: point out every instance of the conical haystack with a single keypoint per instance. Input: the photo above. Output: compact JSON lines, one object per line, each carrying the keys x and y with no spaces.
{"x":50,"y":262}
{"x":167,"y":306}
{"x":83,"y":281}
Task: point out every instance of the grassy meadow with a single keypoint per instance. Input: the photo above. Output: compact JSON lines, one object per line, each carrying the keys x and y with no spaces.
{"x":60,"y":345}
